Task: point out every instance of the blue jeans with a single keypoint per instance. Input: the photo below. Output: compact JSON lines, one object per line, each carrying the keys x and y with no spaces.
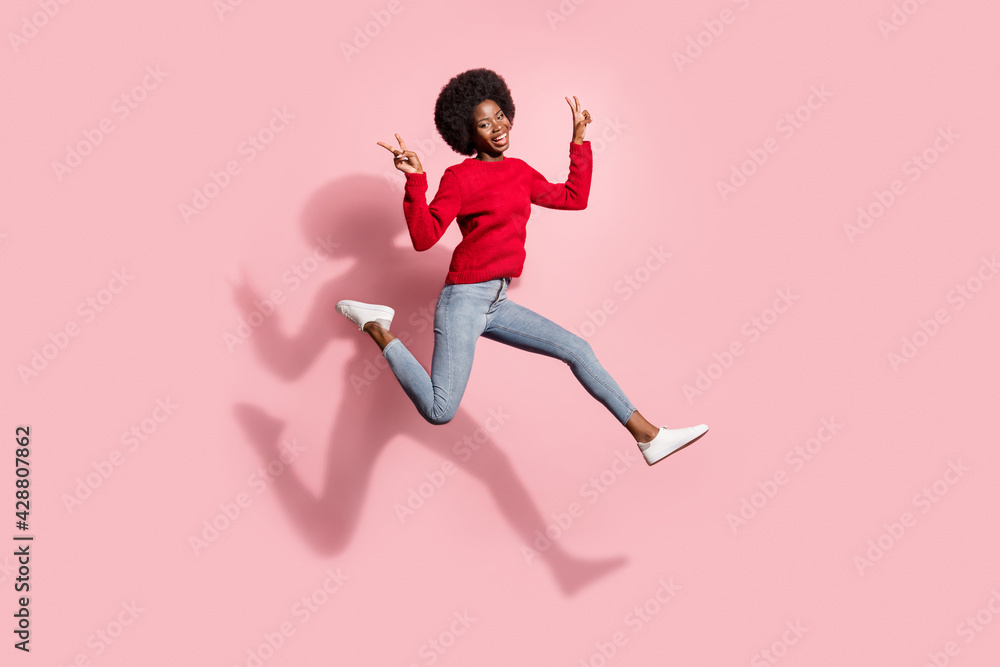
{"x":467,"y":311}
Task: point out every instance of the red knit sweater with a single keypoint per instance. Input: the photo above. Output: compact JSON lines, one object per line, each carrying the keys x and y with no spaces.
{"x":492,"y":201}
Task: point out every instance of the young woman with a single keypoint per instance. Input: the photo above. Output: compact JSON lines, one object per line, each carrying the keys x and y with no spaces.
{"x":491,"y":196}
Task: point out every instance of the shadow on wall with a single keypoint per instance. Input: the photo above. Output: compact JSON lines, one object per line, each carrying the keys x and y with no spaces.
{"x":362,"y":218}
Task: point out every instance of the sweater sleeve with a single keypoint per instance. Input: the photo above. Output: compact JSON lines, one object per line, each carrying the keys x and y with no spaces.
{"x":574,"y":193}
{"x":427,"y":223}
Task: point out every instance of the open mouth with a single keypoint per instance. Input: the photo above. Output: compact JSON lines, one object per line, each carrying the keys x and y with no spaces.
{"x":501,"y":140}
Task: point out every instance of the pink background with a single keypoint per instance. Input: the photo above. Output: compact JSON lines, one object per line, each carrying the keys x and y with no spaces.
{"x":450,"y":583}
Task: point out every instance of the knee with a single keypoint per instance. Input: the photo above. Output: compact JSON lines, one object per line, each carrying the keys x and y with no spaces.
{"x":439,"y":421}
{"x":441,"y":417}
{"x":580,"y":349}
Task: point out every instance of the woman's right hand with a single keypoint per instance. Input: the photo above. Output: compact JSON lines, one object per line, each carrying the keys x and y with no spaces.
{"x":406,"y":161}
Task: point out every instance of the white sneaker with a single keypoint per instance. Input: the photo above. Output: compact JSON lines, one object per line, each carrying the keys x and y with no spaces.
{"x":668,"y":441}
{"x":363,"y":313}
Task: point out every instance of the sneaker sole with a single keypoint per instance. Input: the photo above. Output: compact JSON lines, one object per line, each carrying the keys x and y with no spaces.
{"x":686,"y":444}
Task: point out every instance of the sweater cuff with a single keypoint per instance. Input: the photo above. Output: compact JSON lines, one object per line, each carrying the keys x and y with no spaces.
{"x":416,"y":180}
{"x":580,"y":149}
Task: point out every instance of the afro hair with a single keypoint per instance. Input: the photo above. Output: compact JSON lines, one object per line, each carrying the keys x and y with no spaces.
{"x":460,"y":97}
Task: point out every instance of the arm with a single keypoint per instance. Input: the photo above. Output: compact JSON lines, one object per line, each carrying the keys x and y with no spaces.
{"x":574,"y":193}
{"x":427,"y":223}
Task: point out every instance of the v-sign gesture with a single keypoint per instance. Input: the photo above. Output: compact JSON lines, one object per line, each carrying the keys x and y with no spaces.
{"x":406,"y":161}
{"x":581,"y":118}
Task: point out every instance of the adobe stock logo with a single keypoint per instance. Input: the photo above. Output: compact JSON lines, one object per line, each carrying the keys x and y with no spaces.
{"x":636,"y":619}
{"x":960,"y":295}
{"x":435,"y":647}
{"x":924,"y":500}
{"x":713,"y":29}
{"x":899,"y":17}
{"x":914,"y":167}
{"x":562,"y":12}
{"x":779,"y":649}
{"x":363,"y":35}
{"x":230,"y":511}
{"x":122,"y":107}
{"x":627,"y":286}
{"x":786,"y":126}
{"x":59,"y":340}
{"x":104,"y":637}
{"x":752,"y":329}
{"x":303,"y":609}
{"x":104,"y":468}
{"x":797,"y":457}
{"x":261,"y":308}
{"x":223,"y":7}
{"x":250,"y":148}
{"x":31,"y":25}
{"x":434,"y":480}
{"x":593,"y":490}
{"x":968,"y":629}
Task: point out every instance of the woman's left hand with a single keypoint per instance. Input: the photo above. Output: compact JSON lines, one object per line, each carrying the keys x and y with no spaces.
{"x":581,"y":118}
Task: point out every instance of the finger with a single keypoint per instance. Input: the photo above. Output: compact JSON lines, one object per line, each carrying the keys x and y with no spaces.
{"x":387,"y":147}
{"x":402,"y":144}
{"x":577,"y":102}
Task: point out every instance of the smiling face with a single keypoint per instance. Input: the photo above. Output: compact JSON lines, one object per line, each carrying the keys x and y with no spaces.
{"x":490,"y":131}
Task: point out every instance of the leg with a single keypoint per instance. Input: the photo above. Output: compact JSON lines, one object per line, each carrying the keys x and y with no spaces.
{"x":459,"y":320}
{"x":641,"y":429}
{"x":517,"y":326}
{"x":381,"y":336}
{"x":522,"y":328}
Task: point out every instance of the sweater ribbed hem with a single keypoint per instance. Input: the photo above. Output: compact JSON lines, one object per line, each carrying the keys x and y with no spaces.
{"x":482,"y":275}
{"x":580,"y":149}
{"x":416,"y":180}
